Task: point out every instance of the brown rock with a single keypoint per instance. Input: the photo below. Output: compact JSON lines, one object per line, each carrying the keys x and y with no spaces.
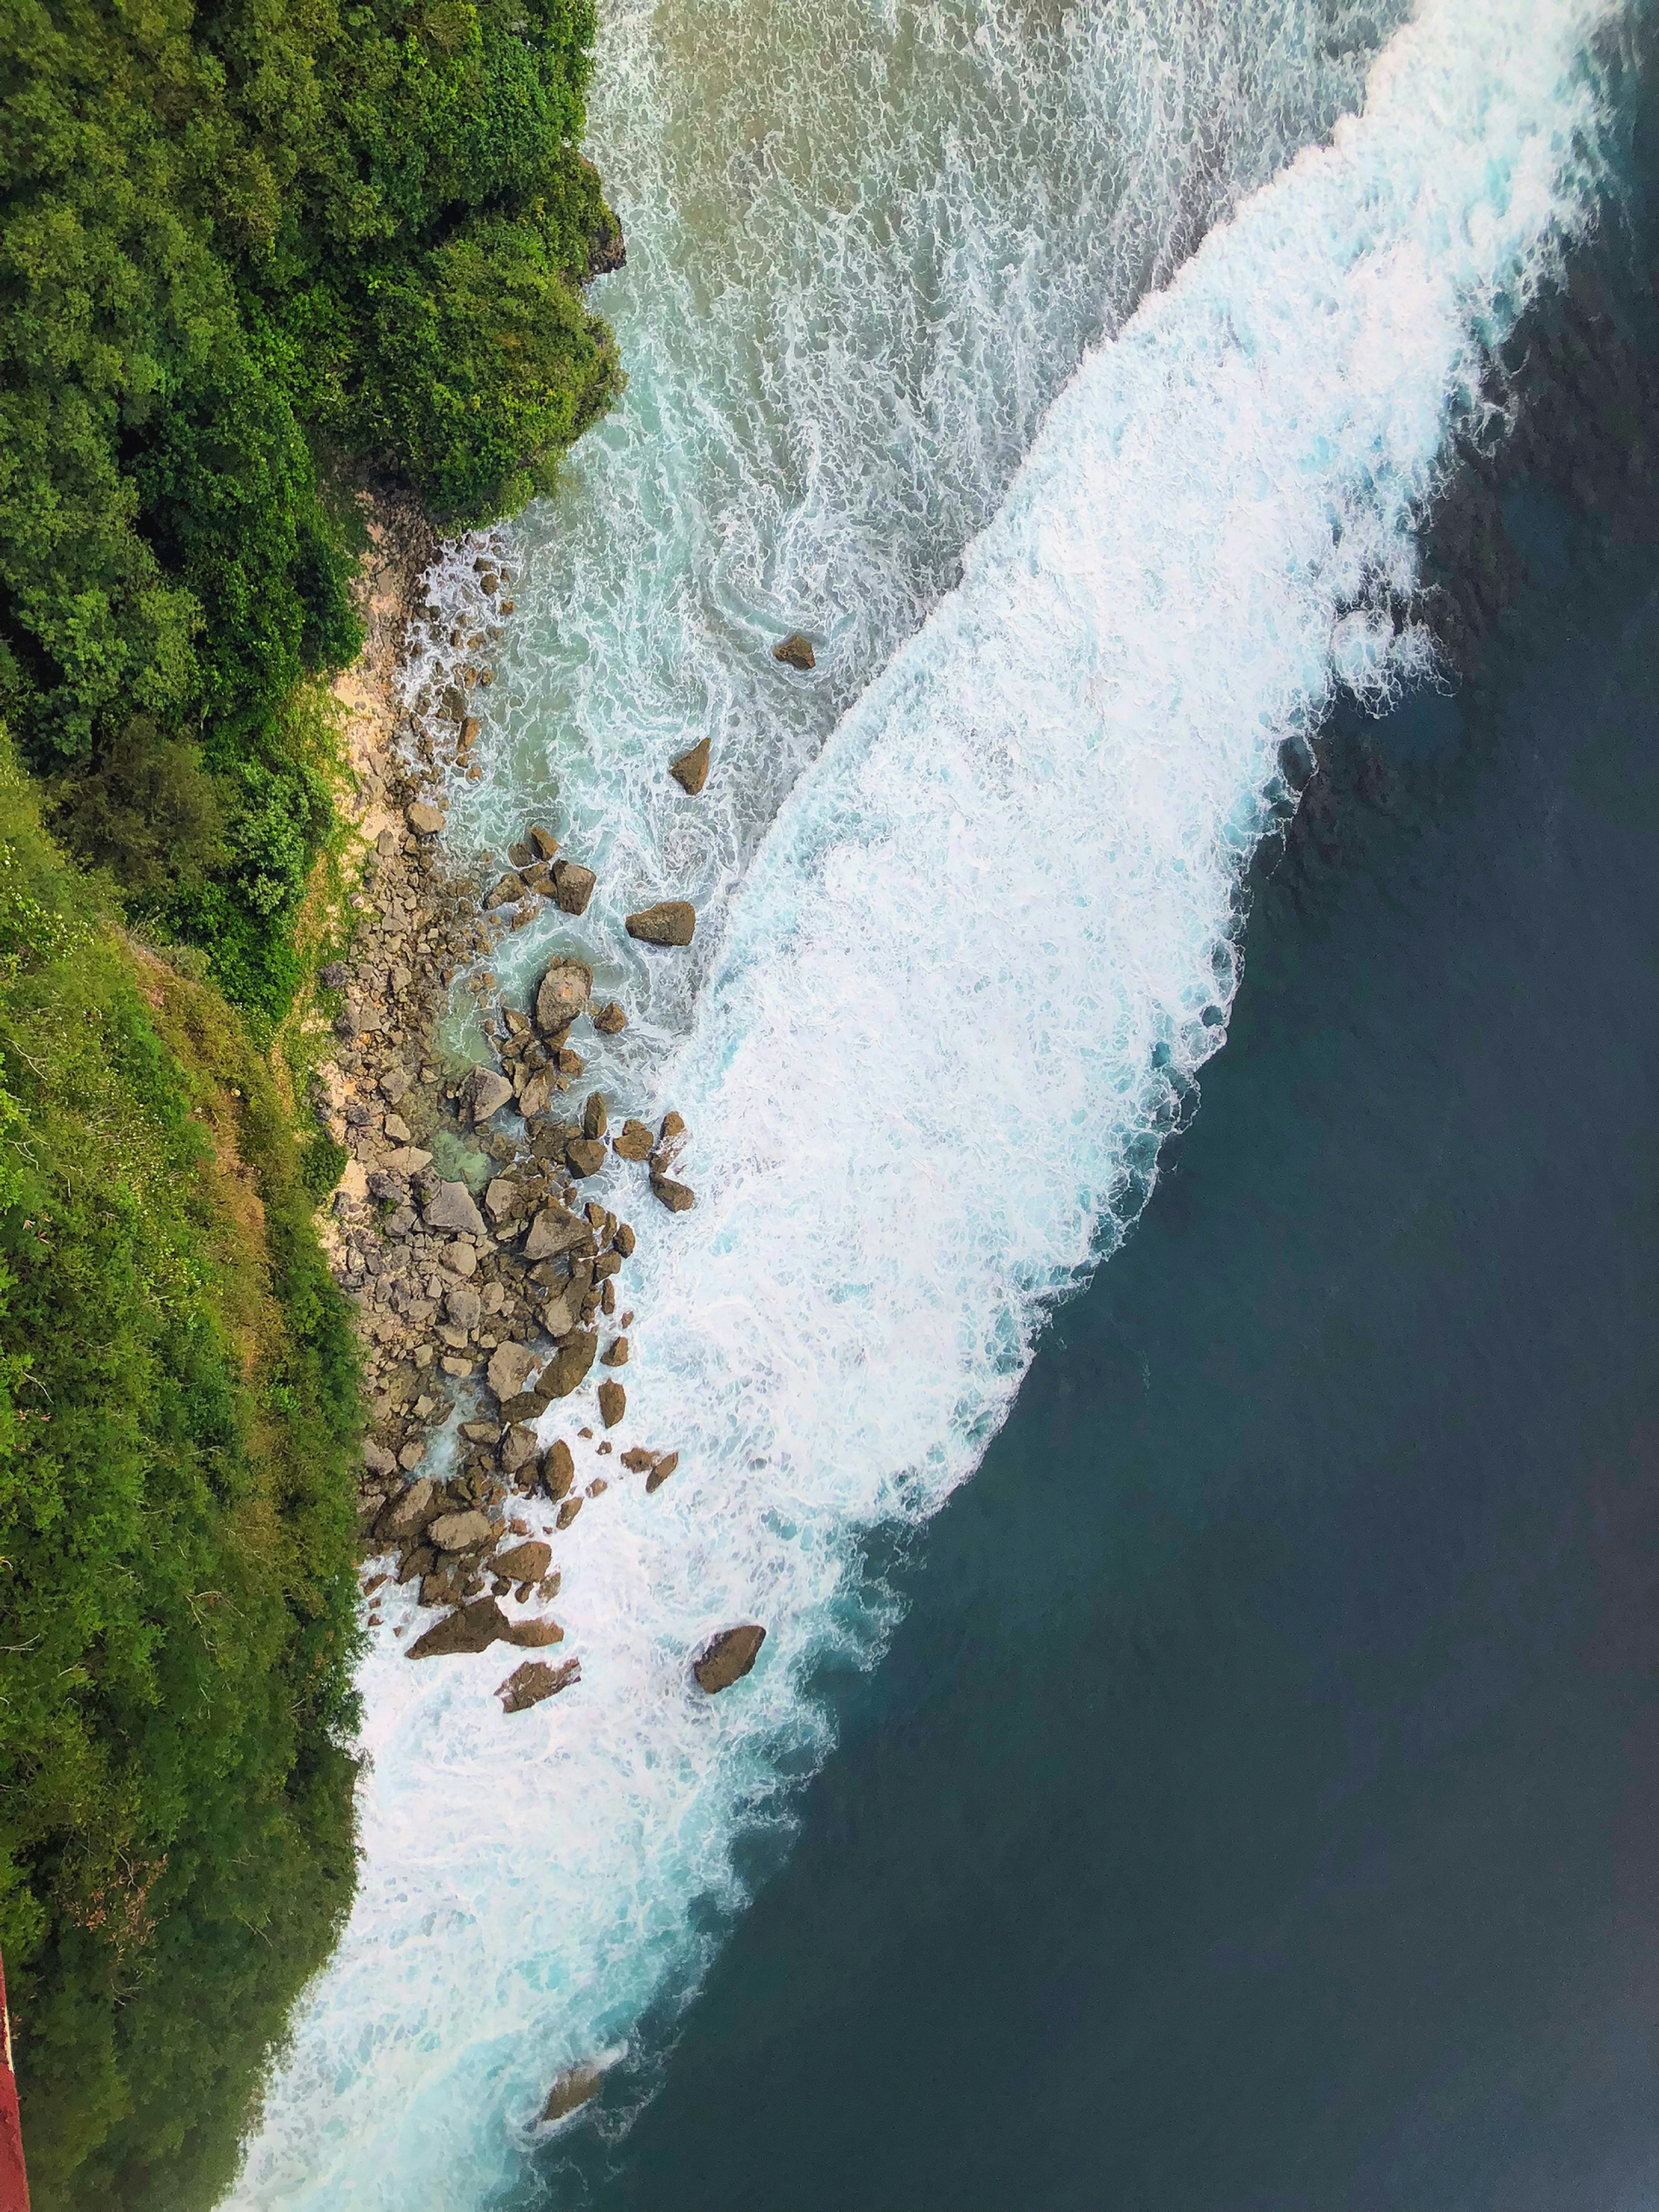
{"x":728,"y":1656}
{"x":670,"y":922}
{"x":460,"y":1531}
{"x":544,"y":840}
{"x":617,"y":1356}
{"x":573,"y":886}
{"x":635,"y":1142}
{"x":611,"y":1018}
{"x":660,"y":1473}
{"x":377,"y":1459}
{"x":502,"y":1199}
{"x":585,"y":1156}
{"x":527,"y":1686}
{"x":535,"y":1635}
{"x":511,"y":1366}
{"x":623,"y":1239}
{"x":568,"y":1369}
{"x":613,"y":1403}
{"x":487,"y":1093}
{"x":470,"y":728}
{"x":573,"y":2088}
{"x":690,"y":770}
{"x":474,"y":1627}
{"x":409,"y":1511}
{"x":674,"y":1128}
{"x":554,"y":1232}
{"x":525,"y":1563}
{"x":568,"y":1512}
{"x":607,"y":1265}
{"x":563,"y":993}
{"x":537,"y":1093}
{"x":417,"y":1564}
{"x":678,"y":1197}
{"x":595,"y":1120}
{"x":558,"y":1469}
{"x":795,"y":651}
{"x":518,"y":1448}
{"x":508,"y":891}
{"x":425,"y":821}
{"x":638,"y":1459}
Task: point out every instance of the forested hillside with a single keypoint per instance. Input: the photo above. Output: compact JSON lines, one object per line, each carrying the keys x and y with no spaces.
{"x":253,"y":257}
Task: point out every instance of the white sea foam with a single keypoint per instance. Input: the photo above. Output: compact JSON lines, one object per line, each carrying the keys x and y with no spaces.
{"x":986,"y":943}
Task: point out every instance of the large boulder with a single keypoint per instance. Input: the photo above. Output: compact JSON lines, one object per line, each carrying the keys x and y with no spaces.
{"x":635,"y":1142}
{"x":474,"y":1627}
{"x":487,"y":1092}
{"x":670,"y":922}
{"x":795,"y":651}
{"x":459,"y":1532}
{"x":544,"y":841}
{"x":728,"y":1656}
{"x":678,"y":1197}
{"x":525,"y":1563}
{"x":611,"y":1018}
{"x":562,"y":993}
{"x":568,"y":1369}
{"x":425,"y":821}
{"x":553,"y":1231}
{"x":690,"y":770}
{"x":464,"y":1306}
{"x":613,"y":1403}
{"x":451,"y":1209}
{"x":527,"y":1686}
{"x":534,"y":1635}
{"x":574,"y":2088}
{"x":503,"y":1199}
{"x":558,"y":1469}
{"x":573,"y":886}
{"x":518,"y":1448}
{"x":595,"y":1119}
{"x":508,"y":890}
{"x":511,"y":1366}
{"x":585,"y":1156}
{"x":409,"y":1511}
{"x":537,"y":1093}
{"x":660,"y":1473}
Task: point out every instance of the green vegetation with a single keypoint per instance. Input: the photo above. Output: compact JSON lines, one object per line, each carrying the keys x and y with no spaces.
{"x":247,"y":248}
{"x":178,"y":1407}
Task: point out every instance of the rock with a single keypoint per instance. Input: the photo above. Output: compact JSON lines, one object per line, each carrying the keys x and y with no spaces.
{"x":410,"y":1456}
{"x":408,"y":1160}
{"x":451,"y":1208}
{"x":394,"y":1084}
{"x":678,"y":1197}
{"x":334,"y":976}
{"x":474,"y":1627}
{"x":502,"y":1199}
{"x":511,"y":1366}
{"x":409,"y":1511}
{"x":527,"y":1686}
{"x":728,"y":1656}
{"x":623,"y":1239}
{"x":660,"y":1473}
{"x":638,"y":1458}
{"x":508,"y":891}
{"x":573,"y":2088}
{"x":635,"y":1142}
{"x":611,"y":1018}
{"x":487,"y":1093}
{"x":613,"y":1403}
{"x":518,"y":1448}
{"x":481,"y":1433}
{"x":563,"y":993}
{"x":525,"y":1563}
{"x":377,"y":1459}
{"x":670,"y":922}
{"x":417,"y":1564}
{"x":459,"y":1532}
{"x":795,"y":651}
{"x":464,"y":1306}
{"x":535,"y":1635}
{"x":568,"y":1512}
{"x":461,"y":1259}
{"x":521,"y":854}
{"x":398,"y":1130}
{"x":544,"y":840}
{"x":425,"y":821}
{"x":595,"y":1119}
{"x":573,"y":886}
{"x":618,"y":1354}
{"x":471,"y":726}
{"x":568,"y":1369}
{"x":553,"y":1231}
{"x":586,"y":1155}
{"x":690,"y":770}
{"x":558,"y":1469}
{"x":537,"y":1093}
{"x":561,"y":1315}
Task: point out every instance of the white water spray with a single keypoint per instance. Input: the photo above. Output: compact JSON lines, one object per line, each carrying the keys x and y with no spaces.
{"x":985,"y":945}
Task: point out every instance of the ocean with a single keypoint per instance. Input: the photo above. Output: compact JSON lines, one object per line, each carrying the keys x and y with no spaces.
{"x":1163,"y":1341}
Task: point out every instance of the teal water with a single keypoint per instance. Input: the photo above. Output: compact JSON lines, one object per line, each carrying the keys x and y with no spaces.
{"x":1258,"y":1803}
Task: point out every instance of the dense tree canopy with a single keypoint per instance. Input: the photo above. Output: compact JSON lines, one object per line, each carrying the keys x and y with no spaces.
{"x":244,"y":247}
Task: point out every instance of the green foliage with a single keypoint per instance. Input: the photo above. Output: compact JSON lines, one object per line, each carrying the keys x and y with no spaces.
{"x":231,"y":236}
{"x":177,"y":1403}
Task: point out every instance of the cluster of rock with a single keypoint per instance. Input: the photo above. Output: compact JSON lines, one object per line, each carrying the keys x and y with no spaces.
{"x":507,"y":1300}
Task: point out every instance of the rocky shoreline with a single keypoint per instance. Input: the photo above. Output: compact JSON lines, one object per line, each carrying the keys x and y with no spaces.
{"x":486,"y":1294}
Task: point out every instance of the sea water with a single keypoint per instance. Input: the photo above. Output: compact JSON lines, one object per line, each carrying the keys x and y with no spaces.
{"x":957,"y":1000}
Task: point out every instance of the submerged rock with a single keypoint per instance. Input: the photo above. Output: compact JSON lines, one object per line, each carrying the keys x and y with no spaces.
{"x":728,"y":1656}
{"x":573,"y":2089}
{"x":795,"y":651}
{"x":527,"y":1686}
{"x":690,"y":770}
{"x":670,"y":922}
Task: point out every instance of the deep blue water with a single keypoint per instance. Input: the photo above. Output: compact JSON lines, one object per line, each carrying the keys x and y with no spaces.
{"x":1258,"y":1805}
